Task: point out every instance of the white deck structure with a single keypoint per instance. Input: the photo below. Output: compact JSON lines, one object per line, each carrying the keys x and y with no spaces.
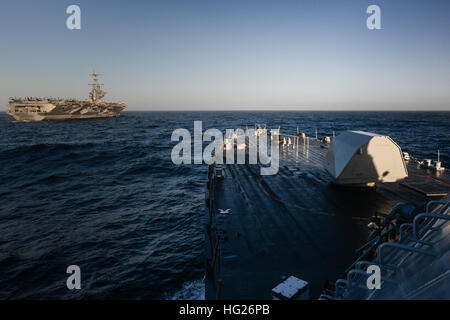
{"x":364,"y":158}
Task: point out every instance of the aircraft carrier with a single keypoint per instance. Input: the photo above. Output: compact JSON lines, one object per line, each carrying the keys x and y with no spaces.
{"x":52,"y":109}
{"x":267,"y":235}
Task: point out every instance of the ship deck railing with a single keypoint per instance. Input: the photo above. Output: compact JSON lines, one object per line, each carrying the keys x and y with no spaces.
{"x":411,"y":267}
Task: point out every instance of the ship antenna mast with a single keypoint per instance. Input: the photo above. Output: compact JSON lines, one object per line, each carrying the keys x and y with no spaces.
{"x":96,"y":93}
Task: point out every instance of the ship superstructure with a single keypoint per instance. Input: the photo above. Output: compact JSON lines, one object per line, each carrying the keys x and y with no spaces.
{"x":40,"y":109}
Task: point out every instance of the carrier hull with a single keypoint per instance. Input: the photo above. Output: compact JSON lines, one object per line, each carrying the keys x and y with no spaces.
{"x":62,"y":110}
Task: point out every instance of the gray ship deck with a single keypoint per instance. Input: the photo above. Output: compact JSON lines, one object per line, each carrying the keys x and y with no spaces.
{"x":294,"y":223}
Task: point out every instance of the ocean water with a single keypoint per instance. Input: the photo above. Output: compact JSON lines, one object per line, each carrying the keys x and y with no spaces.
{"x":105,"y":195}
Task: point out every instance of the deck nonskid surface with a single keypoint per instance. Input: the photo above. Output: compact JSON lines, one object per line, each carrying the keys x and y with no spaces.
{"x":295,"y":223}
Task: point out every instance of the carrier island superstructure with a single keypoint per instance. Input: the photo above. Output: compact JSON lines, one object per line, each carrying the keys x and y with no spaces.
{"x":42,"y":109}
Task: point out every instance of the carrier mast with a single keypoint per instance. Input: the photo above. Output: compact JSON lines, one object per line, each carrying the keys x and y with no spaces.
{"x":96,"y":93}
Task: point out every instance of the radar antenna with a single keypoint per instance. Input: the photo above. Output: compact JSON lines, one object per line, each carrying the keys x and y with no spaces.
{"x":96,"y":93}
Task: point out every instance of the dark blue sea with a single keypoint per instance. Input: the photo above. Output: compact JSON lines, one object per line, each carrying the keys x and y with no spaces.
{"x":104,"y":195}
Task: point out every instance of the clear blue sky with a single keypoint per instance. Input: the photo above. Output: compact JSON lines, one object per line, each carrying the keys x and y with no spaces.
{"x":163,"y":55}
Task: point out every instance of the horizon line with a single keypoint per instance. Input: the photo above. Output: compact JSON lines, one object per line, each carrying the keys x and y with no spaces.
{"x":281,"y":110}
